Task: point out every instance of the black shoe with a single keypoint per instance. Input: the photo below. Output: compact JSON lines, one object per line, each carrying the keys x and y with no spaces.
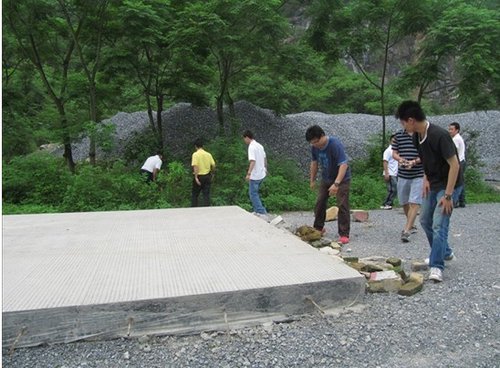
{"x":461,"y":205}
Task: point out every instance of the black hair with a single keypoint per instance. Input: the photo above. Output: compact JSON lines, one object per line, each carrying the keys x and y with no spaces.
{"x":456,"y":125}
{"x":314,"y":132}
{"x":198,"y":143}
{"x":410,"y":109}
{"x":248,"y":134}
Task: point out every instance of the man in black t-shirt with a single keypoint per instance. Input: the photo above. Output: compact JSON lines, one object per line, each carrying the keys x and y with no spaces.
{"x":441,"y":176}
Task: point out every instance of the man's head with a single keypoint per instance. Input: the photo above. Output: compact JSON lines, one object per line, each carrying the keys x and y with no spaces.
{"x":160,"y":154}
{"x":409,"y":113}
{"x":454,"y":129}
{"x":391,"y":139}
{"x":198,"y":143}
{"x":248,"y":136}
{"x":316,"y":136}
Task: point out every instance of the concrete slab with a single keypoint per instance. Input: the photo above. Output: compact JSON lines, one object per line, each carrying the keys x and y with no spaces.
{"x":108,"y":274}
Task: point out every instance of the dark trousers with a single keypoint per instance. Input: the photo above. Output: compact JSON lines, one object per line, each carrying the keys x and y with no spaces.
{"x":148,"y":175}
{"x":344,"y":215}
{"x":461,"y":197}
{"x":392,"y":190}
{"x":204,"y":188}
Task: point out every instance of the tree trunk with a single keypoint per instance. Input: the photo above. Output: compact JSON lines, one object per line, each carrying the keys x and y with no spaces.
{"x":94,"y":120}
{"x":159,"y":120}
{"x":220,"y":114}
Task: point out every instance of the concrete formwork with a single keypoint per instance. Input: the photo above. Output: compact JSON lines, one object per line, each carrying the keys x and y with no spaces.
{"x":73,"y":276}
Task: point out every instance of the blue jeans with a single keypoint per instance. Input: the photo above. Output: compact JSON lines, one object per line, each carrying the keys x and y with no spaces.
{"x":253,"y":192}
{"x":436,"y":224}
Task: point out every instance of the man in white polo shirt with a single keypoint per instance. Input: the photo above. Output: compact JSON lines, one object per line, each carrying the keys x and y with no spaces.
{"x":454,"y":130}
{"x":256,"y":172}
{"x":152,"y":167}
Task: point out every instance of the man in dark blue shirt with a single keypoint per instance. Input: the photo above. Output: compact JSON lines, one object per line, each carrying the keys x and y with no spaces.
{"x":328,"y":152}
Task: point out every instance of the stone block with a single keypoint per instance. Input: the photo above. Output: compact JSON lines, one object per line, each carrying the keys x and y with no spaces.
{"x":419,"y":266}
{"x":385,"y":281}
{"x":359,"y":215}
{"x":394,"y":261}
{"x":308,"y":233}
{"x":410,"y":288}
{"x":331,"y":213}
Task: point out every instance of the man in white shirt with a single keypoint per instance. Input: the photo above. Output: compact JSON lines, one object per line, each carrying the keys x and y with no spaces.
{"x":257,"y":170}
{"x":152,"y":167}
{"x":454,"y":130}
{"x":390,"y":175}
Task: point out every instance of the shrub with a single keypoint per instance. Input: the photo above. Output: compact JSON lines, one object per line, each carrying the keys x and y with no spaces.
{"x":100,"y":189}
{"x":38,"y":178}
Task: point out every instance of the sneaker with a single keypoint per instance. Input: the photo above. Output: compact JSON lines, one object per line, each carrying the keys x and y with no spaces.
{"x":451,"y":257}
{"x":386,"y":207}
{"x":343,"y":240}
{"x":436,"y":274}
{"x":405,"y":236}
{"x":413,"y":229}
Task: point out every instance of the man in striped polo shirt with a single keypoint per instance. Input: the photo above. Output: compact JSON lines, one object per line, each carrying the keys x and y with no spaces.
{"x":410,"y":179}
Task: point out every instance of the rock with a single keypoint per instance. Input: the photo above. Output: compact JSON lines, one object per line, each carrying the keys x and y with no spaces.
{"x":359,"y":215}
{"x":308,"y":233}
{"x":351,"y":259}
{"x":416,"y":277}
{"x":410,"y":288}
{"x":277,"y":220}
{"x":394,"y":261}
{"x":336,"y":245}
{"x":331,"y":213}
{"x":330,"y":251}
{"x":144,"y":339}
{"x":321,"y":243}
{"x":385,"y":281}
{"x":419,"y":266}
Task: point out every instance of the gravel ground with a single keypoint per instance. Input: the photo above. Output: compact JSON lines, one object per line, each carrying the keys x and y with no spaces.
{"x":451,"y":324}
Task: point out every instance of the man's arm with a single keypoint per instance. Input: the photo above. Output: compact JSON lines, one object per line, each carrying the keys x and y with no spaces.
{"x":313,"y":171}
{"x":340,"y":176}
{"x":250,"y":169}
{"x":196,"y":170}
{"x":386,"y":170}
{"x":450,"y":185}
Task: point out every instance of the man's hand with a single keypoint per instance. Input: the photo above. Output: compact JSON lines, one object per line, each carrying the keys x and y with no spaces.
{"x":426,"y":187}
{"x":447,"y":205}
{"x":312,"y":184}
{"x":197,"y":181}
{"x":386,"y":177}
{"x":333,"y":190}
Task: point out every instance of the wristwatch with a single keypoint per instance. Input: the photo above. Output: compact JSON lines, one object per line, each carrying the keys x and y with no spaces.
{"x":447,"y":197}
{"x":336,"y":184}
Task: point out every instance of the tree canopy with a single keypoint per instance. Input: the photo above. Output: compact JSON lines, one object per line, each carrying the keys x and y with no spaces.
{"x":69,"y":64}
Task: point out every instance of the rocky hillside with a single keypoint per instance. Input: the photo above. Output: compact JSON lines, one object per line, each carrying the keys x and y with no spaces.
{"x":284,"y":135}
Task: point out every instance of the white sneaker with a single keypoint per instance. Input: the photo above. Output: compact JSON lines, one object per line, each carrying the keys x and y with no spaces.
{"x":436,"y":274}
{"x":451,"y":257}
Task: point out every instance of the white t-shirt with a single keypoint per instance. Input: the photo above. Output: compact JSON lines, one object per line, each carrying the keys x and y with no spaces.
{"x":460,"y":144}
{"x":392,"y":163}
{"x":152,"y":163}
{"x":256,"y":153}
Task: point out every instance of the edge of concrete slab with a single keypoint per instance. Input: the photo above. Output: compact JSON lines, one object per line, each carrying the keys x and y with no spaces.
{"x":177,"y":316}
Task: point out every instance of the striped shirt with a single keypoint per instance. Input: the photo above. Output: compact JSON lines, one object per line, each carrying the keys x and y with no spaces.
{"x":403,"y":145}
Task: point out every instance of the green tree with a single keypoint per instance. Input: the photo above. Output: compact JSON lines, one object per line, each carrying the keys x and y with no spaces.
{"x":154,"y":49}
{"x":46,"y":44}
{"x":86,"y":23}
{"x":365,"y":33}
{"x":465,"y":37}
{"x":238,"y":34}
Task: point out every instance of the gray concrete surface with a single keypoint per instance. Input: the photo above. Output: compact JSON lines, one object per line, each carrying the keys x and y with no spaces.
{"x":108,"y":274}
